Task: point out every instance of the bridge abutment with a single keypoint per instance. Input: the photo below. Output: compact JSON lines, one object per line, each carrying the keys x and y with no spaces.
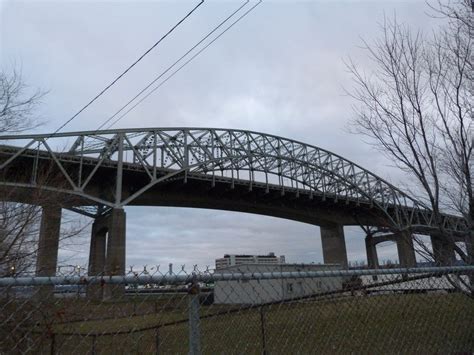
{"x":406,"y":250}
{"x":443,"y":251}
{"x":334,"y":244}
{"x":48,"y":245}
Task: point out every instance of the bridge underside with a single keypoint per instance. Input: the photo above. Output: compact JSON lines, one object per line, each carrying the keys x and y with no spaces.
{"x":185,"y":190}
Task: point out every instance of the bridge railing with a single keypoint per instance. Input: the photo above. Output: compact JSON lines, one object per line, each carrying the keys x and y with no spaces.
{"x":241,"y":309}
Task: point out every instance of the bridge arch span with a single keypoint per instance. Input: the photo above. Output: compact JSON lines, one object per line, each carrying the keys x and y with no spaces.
{"x":161,"y":155}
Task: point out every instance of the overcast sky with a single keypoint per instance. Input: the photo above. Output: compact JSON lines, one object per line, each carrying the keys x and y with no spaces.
{"x":280,"y":70}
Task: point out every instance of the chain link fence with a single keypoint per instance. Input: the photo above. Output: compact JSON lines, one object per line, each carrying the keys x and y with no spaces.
{"x":242,"y":309}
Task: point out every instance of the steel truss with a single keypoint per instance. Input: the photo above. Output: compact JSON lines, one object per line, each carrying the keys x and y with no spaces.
{"x":233,"y":156}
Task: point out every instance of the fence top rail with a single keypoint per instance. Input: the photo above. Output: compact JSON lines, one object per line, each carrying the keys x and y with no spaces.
{"x":171,"y":279}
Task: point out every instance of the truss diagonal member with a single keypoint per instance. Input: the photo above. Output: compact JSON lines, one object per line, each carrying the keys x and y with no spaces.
{"x":78,"y":142}
{"x":97,"y":166}
{"x":258,"y":147}
{"x":223,"y":146}
{"x":94,"y":144}
{"x":17,"y":154}
{"x":63,"y":191}
{"x":177,"y":159}
{"x":61,"y":168}
{"x":141,"y":144}
{"x":200,"y":146}
{"x":139,"y":157}
{"x":110,"y":146}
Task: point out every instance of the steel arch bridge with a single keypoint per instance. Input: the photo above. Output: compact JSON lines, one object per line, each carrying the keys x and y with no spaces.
{"x":100,"y":170}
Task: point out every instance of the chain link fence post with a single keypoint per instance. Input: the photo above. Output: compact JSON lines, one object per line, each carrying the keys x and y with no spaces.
{"x":194,"y":321}
{"x":93,"y":349}
{"x":157,"y":340}
{"x":262,"y":329}
{"x":53,"y":343}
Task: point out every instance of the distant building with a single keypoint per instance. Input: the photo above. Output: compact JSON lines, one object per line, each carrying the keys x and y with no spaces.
{"x":270,"y":290}
{"x":233,"y":259}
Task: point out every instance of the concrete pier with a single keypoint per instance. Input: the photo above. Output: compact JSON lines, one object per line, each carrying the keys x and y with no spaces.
{"x":97,"y":255}
{"x":107,"y":253}
{"x":371,"y":250}
{"x":443,"y":251}
{"x":48,"y":244}
{"x":115,"y":259}
{"x":97,"y":249}
{"x":406,"y":250}
{"x":334,"y":244}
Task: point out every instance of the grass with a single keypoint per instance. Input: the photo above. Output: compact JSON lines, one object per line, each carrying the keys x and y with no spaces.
{"x":411,"y":323}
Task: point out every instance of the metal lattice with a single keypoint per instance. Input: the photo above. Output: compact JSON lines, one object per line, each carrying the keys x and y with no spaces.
{"x":229,"y":156}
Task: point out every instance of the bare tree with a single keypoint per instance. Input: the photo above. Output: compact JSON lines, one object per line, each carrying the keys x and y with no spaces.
{"x":16,"y":104}
{"x":20,"y":226}
{"x":19,"y":230}
{"x":20,"y":222}
{"x":417,"y":106}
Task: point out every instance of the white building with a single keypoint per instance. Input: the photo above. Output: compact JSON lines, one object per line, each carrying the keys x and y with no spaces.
{"x":263,"y":291}
{"x":233,"y":259}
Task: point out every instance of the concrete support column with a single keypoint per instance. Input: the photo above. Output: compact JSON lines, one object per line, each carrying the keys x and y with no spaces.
{"x":406,"y":250}
{"x":48,"y":245}
{"x":334,"y":244}
{"x":115,"y":261}
{"x":97,"y":256}
{"x":371,"y":250}
{"x":443,"y":251}
{"x":97,"y":248}
{"x":47,"y":259}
